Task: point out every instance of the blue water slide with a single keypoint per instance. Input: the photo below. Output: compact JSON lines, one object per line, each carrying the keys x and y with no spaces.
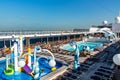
{"x":44,"y":62}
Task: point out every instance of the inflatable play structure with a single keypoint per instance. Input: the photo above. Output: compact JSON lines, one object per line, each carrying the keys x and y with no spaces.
{"x":17,"y":61}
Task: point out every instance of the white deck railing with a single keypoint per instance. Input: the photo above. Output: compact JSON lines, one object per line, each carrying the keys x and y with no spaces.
{"x":10,"y":34}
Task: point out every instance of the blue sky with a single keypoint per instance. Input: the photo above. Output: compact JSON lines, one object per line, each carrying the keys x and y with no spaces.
{"x":55,"y":14}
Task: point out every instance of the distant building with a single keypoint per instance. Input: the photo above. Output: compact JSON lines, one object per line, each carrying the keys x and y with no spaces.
{"x":80,"y":30}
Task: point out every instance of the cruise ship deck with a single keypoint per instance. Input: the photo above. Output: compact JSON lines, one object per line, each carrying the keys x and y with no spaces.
{"x":59,"y":40}
{"x":97,"y":65}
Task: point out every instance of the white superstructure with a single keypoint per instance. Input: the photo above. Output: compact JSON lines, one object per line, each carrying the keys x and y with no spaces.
{"x":116,"y":25}
{"x":103,"y":35}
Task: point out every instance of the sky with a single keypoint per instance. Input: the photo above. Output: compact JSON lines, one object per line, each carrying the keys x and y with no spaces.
{"x":56,"y":14}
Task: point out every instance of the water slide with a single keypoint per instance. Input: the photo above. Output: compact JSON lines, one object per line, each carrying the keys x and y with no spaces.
{"x":42,"y":62}
{"x":27,"y":69}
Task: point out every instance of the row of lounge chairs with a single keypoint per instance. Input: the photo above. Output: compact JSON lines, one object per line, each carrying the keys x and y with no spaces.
{"x":106,"y":54}
{"x":72,"y":74}
{"x":103,"y":73}
{"x":106,"y":72}
{"x":64,"y":52}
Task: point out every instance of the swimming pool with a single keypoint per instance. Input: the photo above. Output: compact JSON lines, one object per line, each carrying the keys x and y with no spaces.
{"x":44,"y":66}
{"x":91,"y":45}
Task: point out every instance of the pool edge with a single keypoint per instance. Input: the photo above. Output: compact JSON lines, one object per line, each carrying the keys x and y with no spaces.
{"x":54,"y":74}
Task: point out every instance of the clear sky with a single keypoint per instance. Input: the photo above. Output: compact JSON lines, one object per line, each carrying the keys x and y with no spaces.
{"x":55,"y":14}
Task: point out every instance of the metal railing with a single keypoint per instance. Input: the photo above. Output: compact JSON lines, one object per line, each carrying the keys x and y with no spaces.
{"x":9,"y":33}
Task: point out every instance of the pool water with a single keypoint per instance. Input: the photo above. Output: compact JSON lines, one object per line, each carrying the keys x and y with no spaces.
{"x":91,"y":45}
{"x":43,"y":65}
